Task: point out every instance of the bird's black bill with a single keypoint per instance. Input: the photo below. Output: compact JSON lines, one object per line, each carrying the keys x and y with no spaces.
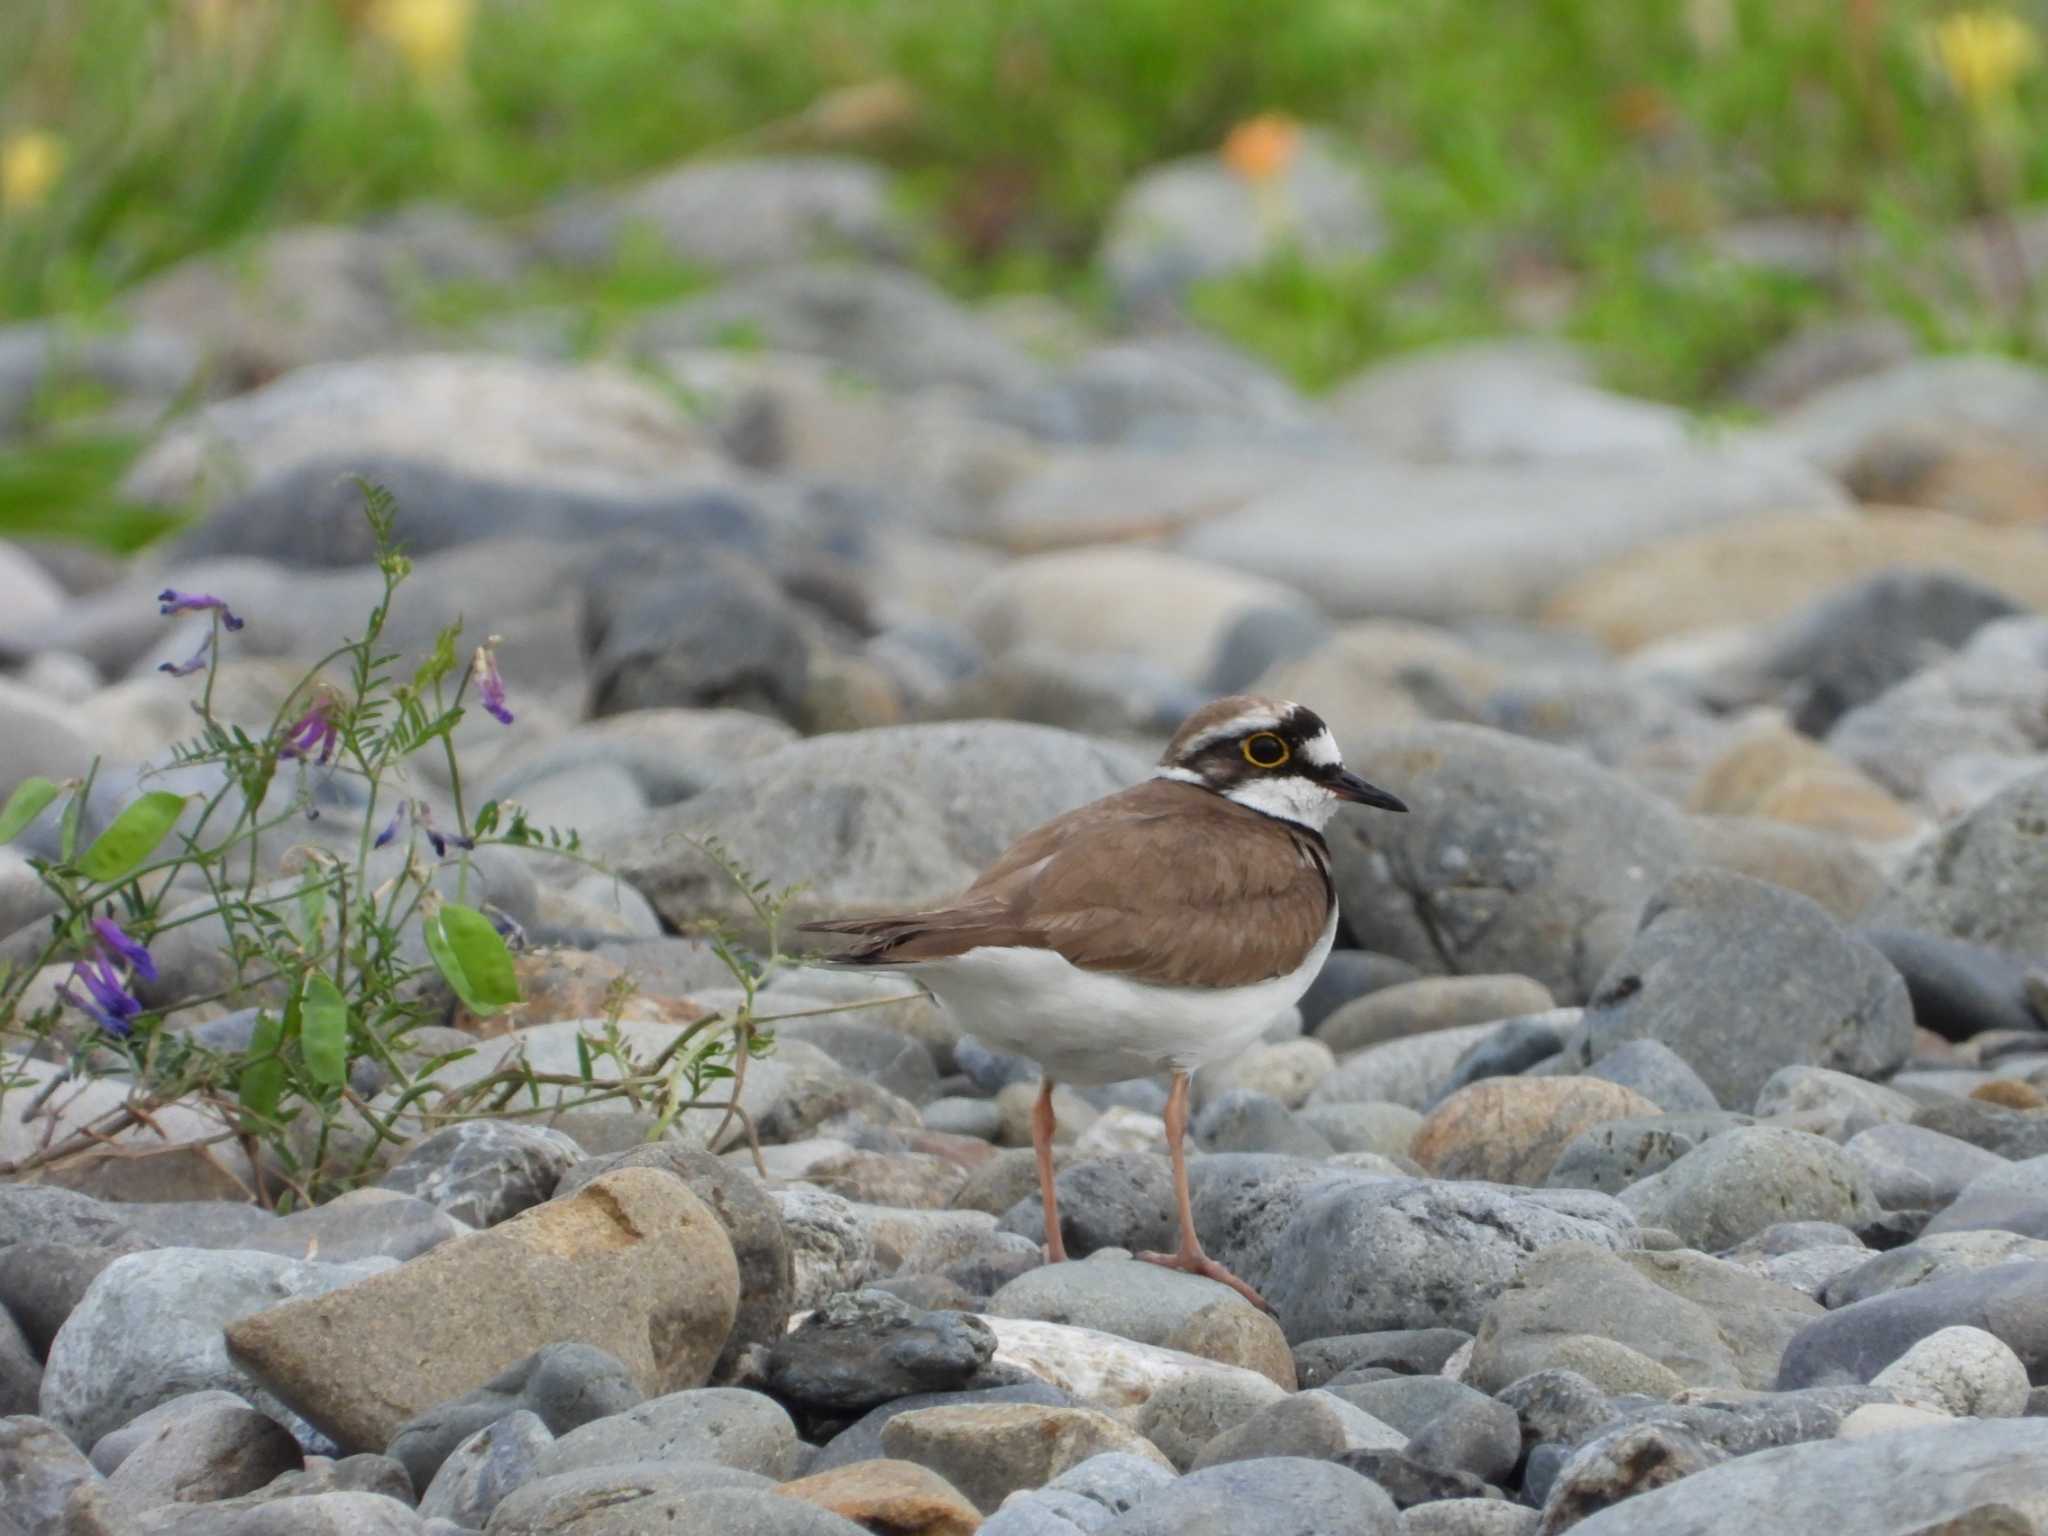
{"x":1349,"y":786}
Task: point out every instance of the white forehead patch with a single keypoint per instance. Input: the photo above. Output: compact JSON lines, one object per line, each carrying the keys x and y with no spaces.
{"x":1321,"y":749}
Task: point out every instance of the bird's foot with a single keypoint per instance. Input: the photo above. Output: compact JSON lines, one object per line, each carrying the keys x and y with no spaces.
{"x":1199,"y":1263}
{"x":1053,"y":1253}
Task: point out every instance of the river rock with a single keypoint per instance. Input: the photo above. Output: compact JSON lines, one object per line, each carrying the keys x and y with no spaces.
{"x":1736,"y":1184}
{"x":482,"y":1171}
{"x":991,"y":1450}
{"x":1363,"y":1255}
{"x":864,"y":1348}
{"x":1961,"y":1371}
{"x":751,"y":1221}
{"x":633,"y":1263}
{"x":1523,"y":887}
{"x":150,"y":1329}
{"x":561,"y":1386}
{"x":1803,"y":990}
{"x":1984,"y":879}
{"x":1854,"y":1342}
{"x":1510,"y":1130}
{"x":1892,"y":1485}
{"x":474,"y":1478}
{"x":723,"y":1425}
{"x":1275,"y":1495}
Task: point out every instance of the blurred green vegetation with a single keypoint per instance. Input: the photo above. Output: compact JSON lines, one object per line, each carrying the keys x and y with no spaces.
{"x":63,"y":488}
{"x":1606,"y":141}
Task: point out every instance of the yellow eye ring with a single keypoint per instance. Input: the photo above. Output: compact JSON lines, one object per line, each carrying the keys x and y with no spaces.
{"x":1265,"y":750}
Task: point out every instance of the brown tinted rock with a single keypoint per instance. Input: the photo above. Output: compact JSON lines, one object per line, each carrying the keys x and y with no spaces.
{"x":1826,"y":867}
{"x":752,"y":1223}
{"x":2009,"y":1093}
{"x":632,"y":1263}
{"x":1428,"y":1004}
{"x":1951,"y":466}
{"x":990,"y":1450}
{"x":1235,"y":1334}
{"x":1780,"y":775}
{"x":896,"y":1497}
{"x":1752,"y":572}
{"x":1510,"y":1130}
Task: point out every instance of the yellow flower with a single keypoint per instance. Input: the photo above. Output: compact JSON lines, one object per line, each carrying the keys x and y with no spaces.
{"x":212,"y":20}
{"x":30,"y":163}
{"x":1261,"y":148}
{"x":1984,"y":52}
{"x":430,"y":35}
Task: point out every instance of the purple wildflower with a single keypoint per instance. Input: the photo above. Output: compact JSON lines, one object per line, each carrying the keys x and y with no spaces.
{"x":315,"y":728}
{"x":490,"y":684}
{"x":391,"y":827}
{"x":111,"y":1005}
{"x":197,"y":660}
{"x":128,"y":948}
{"x":423,"y":818}
{"x":171,"y":601}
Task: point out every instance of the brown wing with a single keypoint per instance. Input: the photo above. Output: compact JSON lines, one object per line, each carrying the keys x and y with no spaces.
{"x":1171,"y":884}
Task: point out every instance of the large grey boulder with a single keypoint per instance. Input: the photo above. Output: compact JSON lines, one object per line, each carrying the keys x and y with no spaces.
{"x":1855,"y":1342}
{"x":1985,"y":878}
{"x":1442,"y":542}
{"x":1741,"y":978}
{"x":1953,"y":1477}
{"x":1362,"y":1255}
{"x":1514,"y":857}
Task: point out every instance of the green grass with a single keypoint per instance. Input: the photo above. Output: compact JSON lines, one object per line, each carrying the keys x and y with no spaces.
{"x":1557,"y":120}
{"x":67,"y":488}
{"x":1604,"y":140}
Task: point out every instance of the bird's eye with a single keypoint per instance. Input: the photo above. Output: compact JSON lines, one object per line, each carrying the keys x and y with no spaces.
{"x":1265,"y":750}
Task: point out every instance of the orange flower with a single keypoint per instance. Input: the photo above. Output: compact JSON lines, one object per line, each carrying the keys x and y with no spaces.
{"x":1263,"y":147}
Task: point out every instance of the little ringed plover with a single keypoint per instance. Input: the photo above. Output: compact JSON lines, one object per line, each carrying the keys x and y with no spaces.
{"x":1151,"y":931}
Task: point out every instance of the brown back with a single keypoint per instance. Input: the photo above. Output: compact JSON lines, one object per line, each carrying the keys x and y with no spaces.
{"x":1165,"y":882}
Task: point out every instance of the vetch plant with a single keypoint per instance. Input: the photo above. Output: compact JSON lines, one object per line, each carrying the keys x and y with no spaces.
{"x":358,"y":935}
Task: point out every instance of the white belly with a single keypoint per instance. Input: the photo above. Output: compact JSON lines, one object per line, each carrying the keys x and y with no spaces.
{"x":1098,"y":1027}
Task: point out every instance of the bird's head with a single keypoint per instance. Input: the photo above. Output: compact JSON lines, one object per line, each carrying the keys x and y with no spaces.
{"x":1271,"y":755}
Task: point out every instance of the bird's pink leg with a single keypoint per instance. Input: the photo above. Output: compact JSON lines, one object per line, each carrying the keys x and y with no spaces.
{"x":1189,"y":1255}
{"x":1041,"y":1143}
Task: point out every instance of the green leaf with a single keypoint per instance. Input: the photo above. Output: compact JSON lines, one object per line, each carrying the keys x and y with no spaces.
{"x":133,"y":837}
{"x":312,"y":910}
{"x":263,"y":1074}
{"x":472,"y":956}
{"x":29,"y":800}
{"x":323,"y":1031}
{"x":67,"y":829}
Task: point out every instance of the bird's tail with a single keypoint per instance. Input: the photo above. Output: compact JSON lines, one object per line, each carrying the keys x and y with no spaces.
{"x":878,"y":936}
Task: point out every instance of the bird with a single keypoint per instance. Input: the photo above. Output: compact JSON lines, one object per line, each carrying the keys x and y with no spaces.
{"x":1154,"y":930}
